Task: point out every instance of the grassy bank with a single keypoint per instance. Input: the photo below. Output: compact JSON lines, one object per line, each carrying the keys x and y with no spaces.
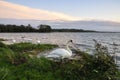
{"x":15,"y":64}
{"x":1,"y":39}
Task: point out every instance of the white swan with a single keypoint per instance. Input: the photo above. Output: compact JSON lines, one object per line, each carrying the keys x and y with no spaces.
{"x":61,"y":53}
{"x":13,"y":40}
{"x":38,"y":41}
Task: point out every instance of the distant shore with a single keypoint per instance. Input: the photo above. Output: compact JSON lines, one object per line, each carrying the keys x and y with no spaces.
{"x":42,"y":28}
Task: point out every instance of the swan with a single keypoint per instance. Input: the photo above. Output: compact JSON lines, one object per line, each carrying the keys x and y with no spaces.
{"x":38,"y":41}
{"x":13,"y":40}
{"x":61,"y":53}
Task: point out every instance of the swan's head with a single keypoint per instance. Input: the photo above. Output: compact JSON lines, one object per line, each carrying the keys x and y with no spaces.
{"x":73,"y":45}
{"x":70,"y":41}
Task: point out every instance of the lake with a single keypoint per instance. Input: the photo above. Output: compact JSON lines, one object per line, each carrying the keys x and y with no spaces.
{"x":82,"y":40}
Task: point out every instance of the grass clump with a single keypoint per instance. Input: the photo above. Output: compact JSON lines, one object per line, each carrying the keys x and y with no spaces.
{"x":15,"y":64}
{"x":1,"y":39}
{"x":30,"y":48}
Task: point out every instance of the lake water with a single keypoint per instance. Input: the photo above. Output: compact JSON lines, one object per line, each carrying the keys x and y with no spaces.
{"x":83,"y":40}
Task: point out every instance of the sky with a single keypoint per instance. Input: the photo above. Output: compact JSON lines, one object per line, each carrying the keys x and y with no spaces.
{"x":61,"y":9}
{"x":100,"y":15}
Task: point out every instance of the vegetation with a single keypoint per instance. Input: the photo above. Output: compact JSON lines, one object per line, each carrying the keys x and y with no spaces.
{"x":71,"y":30}
{"x":44,"y":28}
{"x":15,"y":64}
{"x":41,"y":28}
{"x":16,"y":28}
{"x":1,"y":39}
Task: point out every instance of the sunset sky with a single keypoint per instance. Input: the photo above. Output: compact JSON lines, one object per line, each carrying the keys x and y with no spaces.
{"x":61,"y":9}
{"x":100,"y":15}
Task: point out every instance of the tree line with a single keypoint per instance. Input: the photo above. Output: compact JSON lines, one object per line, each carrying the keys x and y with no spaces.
{"x":16,"y":28}
{"x":71,"y":30}
{"x":40,"y":28}
{"x":23,"y":28}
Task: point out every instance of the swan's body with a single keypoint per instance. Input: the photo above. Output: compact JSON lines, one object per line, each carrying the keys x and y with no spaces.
{"x":14,"y":41}
{"x":61,"y":53}
{"x":38,"y":41}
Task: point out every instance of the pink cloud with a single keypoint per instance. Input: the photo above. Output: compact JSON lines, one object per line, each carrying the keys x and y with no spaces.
{"x":10,"y":10}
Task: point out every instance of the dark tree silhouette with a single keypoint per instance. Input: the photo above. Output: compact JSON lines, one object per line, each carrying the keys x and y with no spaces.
{"x":16,"y":28}
{"x":44,"y":28}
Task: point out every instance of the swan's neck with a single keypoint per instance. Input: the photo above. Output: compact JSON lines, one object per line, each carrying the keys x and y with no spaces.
{"x":67,"y":46}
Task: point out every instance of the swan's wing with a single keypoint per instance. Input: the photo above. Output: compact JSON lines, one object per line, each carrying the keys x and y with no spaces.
{"x":53,"y":56}
{"x":60,"y":53}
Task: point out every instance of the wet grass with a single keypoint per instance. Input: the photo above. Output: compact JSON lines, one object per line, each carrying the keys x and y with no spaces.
{"x":15,"y":64}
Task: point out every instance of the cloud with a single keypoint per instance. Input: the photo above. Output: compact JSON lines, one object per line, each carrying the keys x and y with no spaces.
{"x":10,"y":10}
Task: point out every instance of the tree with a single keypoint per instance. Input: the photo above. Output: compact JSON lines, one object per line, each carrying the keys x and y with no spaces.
{"x":44,"y":28}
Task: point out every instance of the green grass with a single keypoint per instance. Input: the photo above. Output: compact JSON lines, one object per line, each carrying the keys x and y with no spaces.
{"x":15,"y":64}
{"x":1,"y":39}
{"x":30,"y":48}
